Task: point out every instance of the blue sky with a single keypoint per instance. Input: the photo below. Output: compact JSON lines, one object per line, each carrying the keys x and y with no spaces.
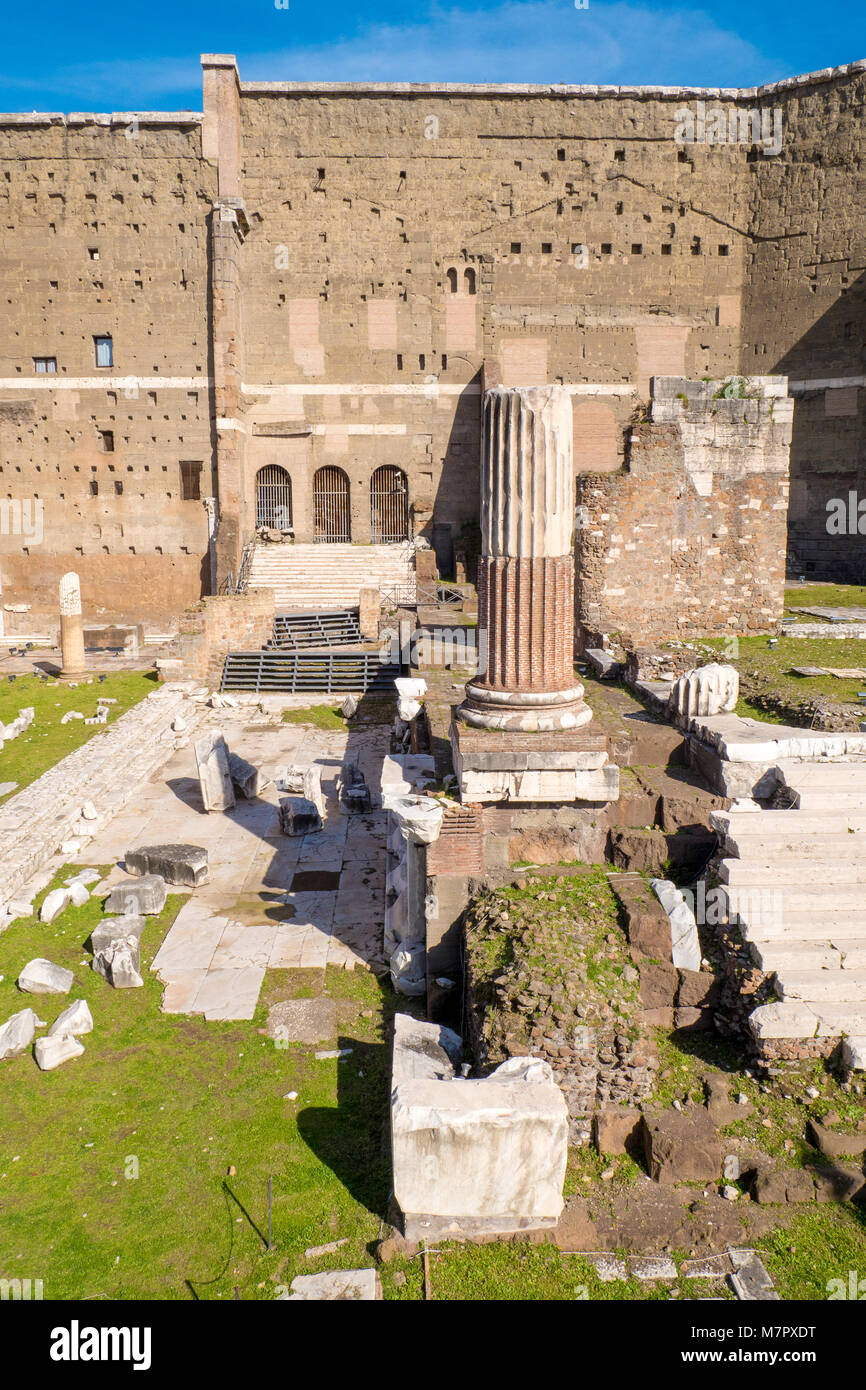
{"x":58,"y":56}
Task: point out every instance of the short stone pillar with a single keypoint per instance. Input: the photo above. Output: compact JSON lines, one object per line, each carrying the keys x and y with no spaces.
{"x":526,"y":568}
{"x":72,"y":664}
{"x":414,"y":823}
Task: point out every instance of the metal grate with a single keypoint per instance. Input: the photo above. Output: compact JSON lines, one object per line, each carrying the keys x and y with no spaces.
{"x":309,"y":673}
{"x":331,"y":506}
{"x":326,"y":629}
{"x":274,"y":498}
{"x":389,"y":506}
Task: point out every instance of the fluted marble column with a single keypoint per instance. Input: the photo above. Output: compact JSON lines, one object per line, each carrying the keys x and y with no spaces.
{"x":526,"y":569}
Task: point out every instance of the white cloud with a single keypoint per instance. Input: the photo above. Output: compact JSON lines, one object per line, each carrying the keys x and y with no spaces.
{"x":514,"y":41}
{"x":531,"y":41}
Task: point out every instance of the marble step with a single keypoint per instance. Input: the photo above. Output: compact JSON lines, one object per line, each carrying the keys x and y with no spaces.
{"x":832,"y":955}
{"x":823,"y":986}
{"x":795,"y":871}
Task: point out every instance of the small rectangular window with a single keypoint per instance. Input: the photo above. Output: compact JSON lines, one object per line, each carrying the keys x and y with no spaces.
{"x":619,"y":156}
{"x":44,"y":364}
{"x":93,"y":252}
{"x":190,"y":480}
{"x":515,"y":248}
{"x":107,"y":438}
{"x":723,"y":250}
{"x":666,"y":248}
{"x":94,"y":487}
{"x":104,"y":351}
{"x":636,"y":248}
{"x":118,"y":487}
{"x":546,"y":248}
{"x":606,"y":248}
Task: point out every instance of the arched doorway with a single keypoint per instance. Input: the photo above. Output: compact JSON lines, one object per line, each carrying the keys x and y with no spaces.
{"x":274,"y":498}
{"x":331,"y":505}
{"x":389,"y":506}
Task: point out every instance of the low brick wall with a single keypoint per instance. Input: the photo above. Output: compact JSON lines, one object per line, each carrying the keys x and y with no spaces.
{"x":217,"y":625}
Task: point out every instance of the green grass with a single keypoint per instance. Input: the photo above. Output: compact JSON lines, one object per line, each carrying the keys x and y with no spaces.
{"x":26,"y":757}
{"x":823,"y":1243}
{"x":527,"y":1273}
{"x":823,"y":596}
{"x":186,"y":1100}
{"x":372,"y":709}
{"x":319,"y":716}
{"x":770,"y":668}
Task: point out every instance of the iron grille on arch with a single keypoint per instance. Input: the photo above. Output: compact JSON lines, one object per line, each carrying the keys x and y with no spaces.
{"x":389,"y":506}
{"x":274,"y":498}
{"x":331,"y":505}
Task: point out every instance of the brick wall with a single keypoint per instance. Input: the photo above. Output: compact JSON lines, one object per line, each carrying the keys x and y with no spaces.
{"x":689,"y":538}
{"x":220,"y":624}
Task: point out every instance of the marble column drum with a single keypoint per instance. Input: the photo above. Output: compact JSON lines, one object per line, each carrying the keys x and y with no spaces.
{"x":526,"y":569}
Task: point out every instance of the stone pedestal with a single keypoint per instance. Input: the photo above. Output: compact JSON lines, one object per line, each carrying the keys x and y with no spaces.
{"x":526,"y":569}
{"x":73,"y":666}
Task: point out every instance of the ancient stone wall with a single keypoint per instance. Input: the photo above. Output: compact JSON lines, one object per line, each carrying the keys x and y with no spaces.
{"x":217,"y":625}
{"x":315,"y":275}
{"x":695,"y":524}
{"x":803,"y":308}
{"x":104,"y":234}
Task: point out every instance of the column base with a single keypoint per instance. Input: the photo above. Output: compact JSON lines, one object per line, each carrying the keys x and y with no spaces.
{"x":523,"y":711}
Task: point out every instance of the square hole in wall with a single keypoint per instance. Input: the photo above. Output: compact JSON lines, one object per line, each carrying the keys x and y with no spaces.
{"x":636,"y":248}
{"x":666,"y":248}
{"x":546,"y":248}
{"x":606,"y":248}
{"x":515,"y":248}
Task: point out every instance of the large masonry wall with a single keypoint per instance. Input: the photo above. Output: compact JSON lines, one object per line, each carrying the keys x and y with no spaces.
{"x":327,"y":275}
{"x":805,"y":307}
{"x":399,"y":242}
{"x":689,"y":538}
{"x":104,"y":233}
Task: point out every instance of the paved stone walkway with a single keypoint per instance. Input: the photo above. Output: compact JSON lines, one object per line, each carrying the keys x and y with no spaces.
{"x":270,"y":902}
{"x":105,"y":770}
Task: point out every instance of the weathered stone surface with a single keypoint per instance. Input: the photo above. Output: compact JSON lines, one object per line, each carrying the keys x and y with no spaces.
{"x":16,"y":1034}
{"x":658,"y":984}
{"x":833,"y":1144}
{"x":408,"y":967}
{"x":792,"y":1185}
{"x":682,"y":1146}
{"x":838,"y":1182}
{"x":249,"y":780}
{"x":302,"y":1020}
{"x":685,"y":945}
{"x":74,"y":1020}
{"x":298,"y":816}
{"x":185,"y":865}
{"x":116,"y":951}
{"x":750,"y":1279}
{"x":698,"y":989}
{"x":424,"y":1051}
{"x":705,"y":690}
{"x":51,"y":1052}
{"x":212,"y":760}
{"x":145,"y":895}
{"x":354,"y":792}
{"x":53,"y":904}
{"x":40,"y":976}
{"x":340,"y":1285}
{"x":616,"y":1130}
{"x":474,"y":1155}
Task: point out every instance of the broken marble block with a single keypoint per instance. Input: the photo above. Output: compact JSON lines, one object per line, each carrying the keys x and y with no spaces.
{"x":53,"y":904}
{"x":214,"y":773}
{"x":354,"y":792}
{"x":16,"y":1034}
{"x":51,"y":1052}
{"x":706,"y":690}
{"x":76,"y":1019}
{"x":298,"y":816}
{"x":185,"y":865}
{"x":408,"y":967}
{"x":248,"y":779}
{"x":116,"y":944}
{"x":142,"y":895}
{"x":41,"y":976}
{"x":338,"y":1285}
{"x":474,"y":1157}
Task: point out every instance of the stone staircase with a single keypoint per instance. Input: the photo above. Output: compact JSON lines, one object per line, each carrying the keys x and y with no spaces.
{"x":796,"y":878}
{"x":329,"y":576}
